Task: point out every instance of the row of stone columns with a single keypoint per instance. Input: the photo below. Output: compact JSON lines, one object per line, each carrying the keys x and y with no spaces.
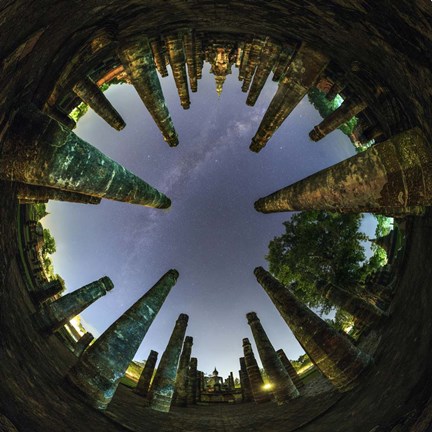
{"x":101,"y":366}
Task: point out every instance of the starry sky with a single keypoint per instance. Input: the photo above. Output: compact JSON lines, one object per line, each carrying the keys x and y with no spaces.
{"x":212,"y":235}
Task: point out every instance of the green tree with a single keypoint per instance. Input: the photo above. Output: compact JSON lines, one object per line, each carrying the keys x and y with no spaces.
{"x":49,"y":246}
{"x":318,"y":246}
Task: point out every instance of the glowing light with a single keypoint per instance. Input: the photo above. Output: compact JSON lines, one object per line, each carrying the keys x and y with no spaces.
{"x":267,"y":386}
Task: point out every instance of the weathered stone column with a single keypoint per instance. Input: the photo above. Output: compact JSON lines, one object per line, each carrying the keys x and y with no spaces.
{"x":192,"y":388}
{"x":159,"y":56}
{"x":335,"y":89}
{"x":30,"y":193}
{"x":254,"y":374}
{"x":47,"y":291}
{"x":202,"y":381}
{"x":100,"y":368}
{"x":395,"y":173}
{"x":283,"y":388}
{"x":138,"y":62}
{"x":253,"y":60}
{"x":333,"y":354}
{"x":231,"y":381}
{"x":244,"y":60}
{"x":189,"y":44}
{"x":162,"y":388}
{"x":143,"y":385}
{"x":269,"y":55}
{"x":284,"y":61}
{"x":181,"y":382}
{"x":244,"y":381}
{"x":174,"y":45}
{"x":302,"y":74}
{"x":199,"y":57}
{"x":82,"y":343}
{"x":51,"y":155}
{"x":92,"y":95}
{"x":362,"y":310}
{"x":57,"y":114}
{"x":52,"y":316}
{"x":290,"y":369}
{"x":349,"y":108}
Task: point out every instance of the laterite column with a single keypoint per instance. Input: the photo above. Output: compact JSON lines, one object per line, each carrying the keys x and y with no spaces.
{"x":143,"y":385}
{"x":92,"y":95}
{"x":245,"y":383}
{"x":82,"y":343}
{"x":53,"y":156}
{"x":50,"y":317}
{"x":254,"y":374}
{"x":302,"y":74}
{"x":48,"y":290}
{"x":394,"y":174}
{"x":192,"y":389}
{"x":283,"y":388}
{"x":349,"y":108}
{"x":181,"y":383}
{"x":99,"y":370}
{"x":334,"y":355}
{"x":162,"y":389}
{"x":290,"y":369}
{"x":137,"y":59}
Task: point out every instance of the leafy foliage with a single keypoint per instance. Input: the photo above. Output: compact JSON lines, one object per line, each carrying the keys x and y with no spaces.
{"x":316,"y":247}
{"x":325,"y":107}
{"x":79,"y":111}
{"x":49,"y":246}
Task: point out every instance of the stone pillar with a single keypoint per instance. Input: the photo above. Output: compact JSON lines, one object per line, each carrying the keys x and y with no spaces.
{"x":254,"y":374}
{"x":302,"y":74}
{"x":181,"y":383}
{"x":202,"y":381}
{"x":372,"y":133}
{"x":269,"y":55}
{"x":283,"y":388}
{"x":244,"y":60}
{"x":290,"y":369}
{"x":284,"y":61}
{"x":349,"y":108}
{"x":252,"y":63}
{"x":162,"y":388}
{"x":159,"y":57}
{"x":394,"y":174}
{"x":189,"y":44}
{"x":199,"y":57}
{"x":335,"y":89}
{"x":53,"y":156}
{"x":231,"y":381}
{"x":100,"y":368}
{"x":57,"y":114}
{"x":143,"y":385}
{"x":82,"y":343}
{"x":174,"y":45}
{"x":239,"y":54}
{"x":137,"y":59}
{"x":334,"y":355}
{"x":93,"y":96}
{"x":30,"y":193}
{"x":52,"y":316}
{"x":47,"y":291}
{"x":192,"y":388}
{"x":245,"y":383}
{"x":360,"y":309}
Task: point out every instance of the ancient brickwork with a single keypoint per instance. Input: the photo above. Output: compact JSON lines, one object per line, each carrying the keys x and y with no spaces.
{"x":392,"y":175}
{"x":181,"y":383}
{"x":290,"y":369}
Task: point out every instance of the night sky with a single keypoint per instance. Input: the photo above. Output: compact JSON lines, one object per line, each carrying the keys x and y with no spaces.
{"x":212,"y":235}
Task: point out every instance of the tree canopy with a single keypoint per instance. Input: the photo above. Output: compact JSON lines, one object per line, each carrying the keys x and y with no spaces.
{"x":319,"y":246}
